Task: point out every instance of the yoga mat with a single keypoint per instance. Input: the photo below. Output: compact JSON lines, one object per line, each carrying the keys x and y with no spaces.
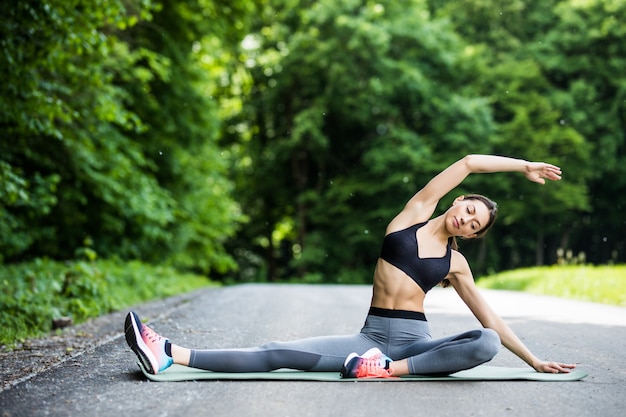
{"x":479,"y":373}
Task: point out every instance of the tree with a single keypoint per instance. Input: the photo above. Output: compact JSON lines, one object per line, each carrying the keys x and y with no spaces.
{"x":109,"y":140}
{"x":347,"y":107}
{"x":352,"y":107}
{"x":583,"y":56}
{"x":552,"y":76}
{"x":64,"y":124}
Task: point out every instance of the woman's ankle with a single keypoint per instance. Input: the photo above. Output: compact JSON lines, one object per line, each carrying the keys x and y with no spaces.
{"x":181,"y":355}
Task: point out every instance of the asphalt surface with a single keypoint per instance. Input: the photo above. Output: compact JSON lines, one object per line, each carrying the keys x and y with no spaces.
{"x":105,"y":381}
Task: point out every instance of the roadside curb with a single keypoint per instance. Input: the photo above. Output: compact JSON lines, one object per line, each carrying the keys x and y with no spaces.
{"x":36,"y":356}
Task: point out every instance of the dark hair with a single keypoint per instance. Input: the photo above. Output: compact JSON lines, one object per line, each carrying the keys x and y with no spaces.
{"x":493,"y":213}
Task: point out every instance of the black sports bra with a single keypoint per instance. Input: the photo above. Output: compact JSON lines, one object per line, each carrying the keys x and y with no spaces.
{"x":400,"y":249}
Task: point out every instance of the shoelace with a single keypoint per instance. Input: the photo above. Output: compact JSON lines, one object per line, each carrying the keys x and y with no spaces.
{"x":371,"y":368}
{"x":150,"y":335}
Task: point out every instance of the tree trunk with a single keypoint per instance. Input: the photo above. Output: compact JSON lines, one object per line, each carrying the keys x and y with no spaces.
{"x":539,"y":249}
{"x":271,"y":258}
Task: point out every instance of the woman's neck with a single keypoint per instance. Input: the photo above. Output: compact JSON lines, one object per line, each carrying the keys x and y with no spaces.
{"x":436,"y":227}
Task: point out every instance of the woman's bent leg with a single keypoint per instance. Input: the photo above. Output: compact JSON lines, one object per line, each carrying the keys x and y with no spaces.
{"x":452,"y":354}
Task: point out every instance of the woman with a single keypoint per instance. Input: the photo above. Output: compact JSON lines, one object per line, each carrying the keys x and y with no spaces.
{"x":417,"y":253}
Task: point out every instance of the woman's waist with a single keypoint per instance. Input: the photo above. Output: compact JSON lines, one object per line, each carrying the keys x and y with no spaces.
{"x":396,"y":313}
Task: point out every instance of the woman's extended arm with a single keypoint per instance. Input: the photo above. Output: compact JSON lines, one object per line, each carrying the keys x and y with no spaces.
{"x":452,"y":176}
{"x":534,"y":171}
{"x":423,"y":204}
{"x":463,"y":283}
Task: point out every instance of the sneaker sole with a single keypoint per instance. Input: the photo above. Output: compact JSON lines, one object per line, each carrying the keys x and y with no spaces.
{"x":345,"y":372}
{"x":136,"y":343}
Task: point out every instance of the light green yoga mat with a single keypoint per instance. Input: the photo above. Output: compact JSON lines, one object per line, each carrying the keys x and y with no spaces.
{"x":480,"y":373}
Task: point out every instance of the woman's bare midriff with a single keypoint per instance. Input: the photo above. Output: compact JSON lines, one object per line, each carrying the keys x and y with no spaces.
{"x":395,"y":290}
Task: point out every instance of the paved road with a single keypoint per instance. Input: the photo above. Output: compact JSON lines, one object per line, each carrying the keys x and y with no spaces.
{"x":105,"y":381}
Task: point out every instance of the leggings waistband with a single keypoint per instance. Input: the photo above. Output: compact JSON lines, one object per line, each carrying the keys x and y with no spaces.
{"x":397,"y":314}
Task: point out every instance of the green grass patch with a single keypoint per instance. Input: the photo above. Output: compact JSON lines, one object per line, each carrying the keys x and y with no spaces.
{"x":33,"y":294}
{"x":600,"y":284}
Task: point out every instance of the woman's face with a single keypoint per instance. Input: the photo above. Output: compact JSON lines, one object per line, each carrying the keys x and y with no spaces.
{"x":467,"y":217}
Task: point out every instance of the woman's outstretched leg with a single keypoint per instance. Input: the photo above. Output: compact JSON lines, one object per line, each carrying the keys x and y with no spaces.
{"x":313,"y":354}
{"x":326,"y":353}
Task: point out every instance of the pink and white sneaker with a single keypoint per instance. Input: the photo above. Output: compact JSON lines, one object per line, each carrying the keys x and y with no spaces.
{"x":371,"y":364}
{"x":148,"y":345}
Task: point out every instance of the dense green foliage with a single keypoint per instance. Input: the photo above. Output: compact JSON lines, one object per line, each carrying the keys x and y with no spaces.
{"x":353,"y":106}
{"x":273,"y":139}
{"x":599,"y":284}
{"x":33,"y":294}
{"x":107,"y":140}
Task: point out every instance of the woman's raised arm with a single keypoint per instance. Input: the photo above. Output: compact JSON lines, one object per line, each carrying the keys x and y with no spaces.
{"x":423,"y":204}
{"x":452,"y":176}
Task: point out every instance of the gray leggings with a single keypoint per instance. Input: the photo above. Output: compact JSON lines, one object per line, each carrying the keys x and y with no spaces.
{"x":398,"y":338}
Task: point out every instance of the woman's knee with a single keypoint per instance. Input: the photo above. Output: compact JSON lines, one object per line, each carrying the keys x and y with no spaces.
{"x":489,"y":344}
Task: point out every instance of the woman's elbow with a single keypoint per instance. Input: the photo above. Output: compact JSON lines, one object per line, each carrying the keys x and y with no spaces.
{"x":472,"y":163}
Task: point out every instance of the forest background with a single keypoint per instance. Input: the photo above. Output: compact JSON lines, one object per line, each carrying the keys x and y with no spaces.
{"x":265,"y":140}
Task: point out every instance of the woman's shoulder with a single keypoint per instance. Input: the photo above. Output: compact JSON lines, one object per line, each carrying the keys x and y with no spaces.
{"x":458,"y":262}
{"x":459,"y":269}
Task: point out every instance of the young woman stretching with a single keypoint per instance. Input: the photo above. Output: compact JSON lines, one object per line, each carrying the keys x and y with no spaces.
{"x":417,"y":253}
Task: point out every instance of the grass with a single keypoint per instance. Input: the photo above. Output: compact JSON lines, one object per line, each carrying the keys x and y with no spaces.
{"x":33,"y":294}
{"x":600,"y":284}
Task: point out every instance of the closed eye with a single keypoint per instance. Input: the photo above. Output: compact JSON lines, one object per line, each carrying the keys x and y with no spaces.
{"x":471,"y":209}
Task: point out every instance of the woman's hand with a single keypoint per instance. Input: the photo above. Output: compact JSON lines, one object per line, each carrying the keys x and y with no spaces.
{"x":537,"y":171}
{"x":553,"y":367}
